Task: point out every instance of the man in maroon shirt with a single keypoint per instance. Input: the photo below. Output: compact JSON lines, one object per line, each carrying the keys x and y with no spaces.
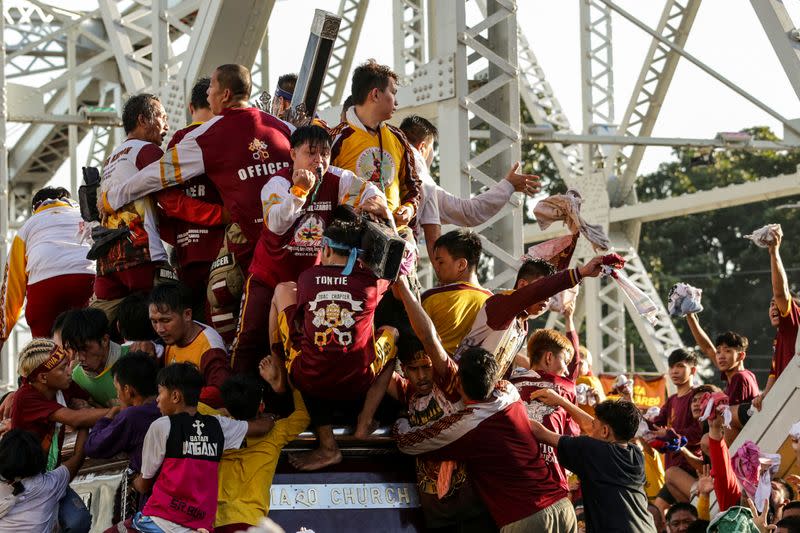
{"x":298,"y":203}
{"x":549,"y":352}
{"x":492,"y":437}
{"x":238,"y":149}
{"x":676,"y":414}
{"x":191,"y":217}
{"x":336,"y":358}
{"x":784,"y":314}
{"x":728,"y":354}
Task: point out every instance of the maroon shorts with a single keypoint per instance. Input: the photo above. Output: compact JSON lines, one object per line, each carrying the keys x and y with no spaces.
{"x":50,"y":297}
{"x":140,"y":278}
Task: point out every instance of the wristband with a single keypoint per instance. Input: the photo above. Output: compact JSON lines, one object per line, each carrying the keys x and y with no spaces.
{"x":298,"y":191}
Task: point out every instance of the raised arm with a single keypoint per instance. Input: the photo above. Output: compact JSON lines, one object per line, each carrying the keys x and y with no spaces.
{"x":701,"y":337}
{"x":502,"y":308}
{"x":423,"y":326}
{"x":282,"y":203}
{"x":474,"y":211}
{"x":780,"y":284}
{"x":551,"y":397}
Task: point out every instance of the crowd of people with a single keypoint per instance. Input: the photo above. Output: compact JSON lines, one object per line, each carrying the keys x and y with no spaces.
{"x":225,"y":302}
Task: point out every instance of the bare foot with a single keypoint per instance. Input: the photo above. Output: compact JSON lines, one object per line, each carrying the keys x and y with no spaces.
{"x":314,"y":460}
{"x":365,"y":428}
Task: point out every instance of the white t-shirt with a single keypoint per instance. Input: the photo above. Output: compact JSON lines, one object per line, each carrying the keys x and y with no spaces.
{"x":154,"y":450}
{"x":36,"y":509}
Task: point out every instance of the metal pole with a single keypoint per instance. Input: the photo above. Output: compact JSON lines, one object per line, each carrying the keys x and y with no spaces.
{"x":72,"y":129}
{"x":265,"y":62}
{"x":5,"y":376}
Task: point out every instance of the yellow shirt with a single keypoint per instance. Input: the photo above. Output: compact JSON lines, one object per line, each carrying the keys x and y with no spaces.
{"x":653,"y":472}
{"x":245,"y":475}
{"x":452,"y":309}
{"x":384,"y":159}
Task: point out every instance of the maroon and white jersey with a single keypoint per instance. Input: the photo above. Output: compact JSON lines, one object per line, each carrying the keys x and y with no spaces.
{"x":556,"y":419}
{"x":144,"y":243}
{"x":239,"y":150}
{"x":334,"y":319}
{"x":293,"y":225}
{"x":497,"y":327}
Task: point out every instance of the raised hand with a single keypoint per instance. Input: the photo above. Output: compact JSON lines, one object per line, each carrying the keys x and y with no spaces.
{"x":527,"y":183}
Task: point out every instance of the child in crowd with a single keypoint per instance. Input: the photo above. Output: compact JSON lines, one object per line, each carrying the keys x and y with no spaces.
{"x":124,"y":431}
{"x":40,"y":406}
{"x":242,"y":469}
{"x":189,"y":341}
{"x":32,"y":498}
{"x":86,"y":340}
{"x":728,"y":354}
{"x":610,"y":467}
{"x":181,"y":454}
{"x":676,"y":414}
{"x":454,"y":303}
{"x":549,"y":352}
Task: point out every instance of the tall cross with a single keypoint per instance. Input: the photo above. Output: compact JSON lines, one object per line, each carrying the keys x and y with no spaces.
{"x":197,"y":425}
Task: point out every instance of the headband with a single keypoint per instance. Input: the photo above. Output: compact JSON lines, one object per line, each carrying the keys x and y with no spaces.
{"x":351,"y":260}
{"x":52,"y":361}
{"x":286,"y":95}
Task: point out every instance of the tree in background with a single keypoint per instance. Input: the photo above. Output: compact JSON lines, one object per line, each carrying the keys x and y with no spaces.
{"x":707,"y":249}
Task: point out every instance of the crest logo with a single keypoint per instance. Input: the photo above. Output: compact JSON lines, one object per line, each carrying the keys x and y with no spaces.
{"x":370,"y":166}
{"x":259,"y":149}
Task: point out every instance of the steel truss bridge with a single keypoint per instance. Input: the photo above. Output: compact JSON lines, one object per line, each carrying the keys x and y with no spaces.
{"x":467,"y":65}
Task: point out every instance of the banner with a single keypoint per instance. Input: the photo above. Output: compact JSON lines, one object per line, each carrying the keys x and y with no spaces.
{"x":648,"y":391}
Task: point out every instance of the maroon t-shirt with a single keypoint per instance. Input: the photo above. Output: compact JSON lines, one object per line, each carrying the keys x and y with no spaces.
{"x":677,"y":414}
{"x":191,"y":215}
{"x":785,"y":337}
{"x":506,"y":466}
{"x":742,"y":387}
{"x":240,"y":153}
{"x":556,"y":419}
{"x":280,"y":258}
{"x":31,"y":412}
{"x":334,"y":321}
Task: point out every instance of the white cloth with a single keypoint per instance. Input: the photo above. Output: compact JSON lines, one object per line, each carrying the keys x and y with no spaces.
{"x":641,"y":301}
{"x":764,"y":237}
{"x":794,"y":431}
{"x":567,"y":208}
{"x":36,"y":509}
{"x":684,"y":299}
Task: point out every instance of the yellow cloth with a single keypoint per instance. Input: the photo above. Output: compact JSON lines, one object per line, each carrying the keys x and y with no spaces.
{"x":653,"y":472}
{"x":452,"y":309}
{"x":359,"y":151}
{"x":245,"y":475}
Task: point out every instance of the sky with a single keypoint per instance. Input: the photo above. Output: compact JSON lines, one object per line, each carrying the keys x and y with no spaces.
{"x":726,"y":35}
